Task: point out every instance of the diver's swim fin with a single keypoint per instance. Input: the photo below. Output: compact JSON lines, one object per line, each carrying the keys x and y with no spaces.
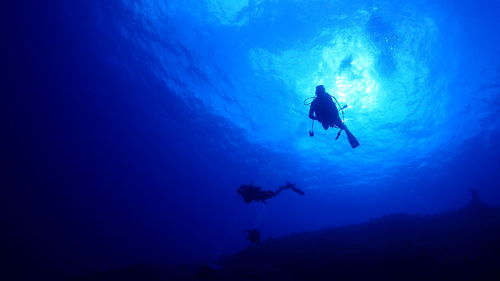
{"x":296,"y":190}
{"x":292,"y":187}
{"x":352,"y":140}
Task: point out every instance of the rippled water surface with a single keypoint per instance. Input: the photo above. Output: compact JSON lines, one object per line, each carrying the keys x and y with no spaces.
{"x":417,"y":82}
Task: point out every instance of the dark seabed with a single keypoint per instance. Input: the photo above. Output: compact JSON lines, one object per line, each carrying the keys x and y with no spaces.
{"x":129,"y":126}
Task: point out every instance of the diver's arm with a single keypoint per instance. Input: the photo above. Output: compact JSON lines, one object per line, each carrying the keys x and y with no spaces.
{"x":311,"y":112}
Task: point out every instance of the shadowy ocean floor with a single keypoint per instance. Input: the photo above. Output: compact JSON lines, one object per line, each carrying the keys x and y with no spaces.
{"x":458,"y":245}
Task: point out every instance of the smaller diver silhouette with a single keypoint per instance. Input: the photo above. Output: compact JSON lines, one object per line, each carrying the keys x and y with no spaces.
{"x":324,"y":110}
{"x":474,"y":197}
{"x":475,"y":201}
{"x":253,"y":235}
{"x":251,"y":192}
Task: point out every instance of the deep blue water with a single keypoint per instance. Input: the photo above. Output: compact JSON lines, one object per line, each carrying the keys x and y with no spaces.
{"x":130,"y":124}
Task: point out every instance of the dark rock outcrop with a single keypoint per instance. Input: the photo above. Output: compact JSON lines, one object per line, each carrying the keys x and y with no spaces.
{"x":458,"y":245}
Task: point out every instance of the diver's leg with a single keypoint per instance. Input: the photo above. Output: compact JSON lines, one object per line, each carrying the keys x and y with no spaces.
{"x":339,"y":124}
{"x":268,"y":194}
{"x":352,"y":139}
{"x":280,"y":189}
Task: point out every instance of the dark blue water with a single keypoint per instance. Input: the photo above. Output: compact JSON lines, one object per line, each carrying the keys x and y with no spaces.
{"x":130,"y":124}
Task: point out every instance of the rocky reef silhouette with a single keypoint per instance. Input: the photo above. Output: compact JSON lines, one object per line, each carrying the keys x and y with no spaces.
{"x":458,"y":245}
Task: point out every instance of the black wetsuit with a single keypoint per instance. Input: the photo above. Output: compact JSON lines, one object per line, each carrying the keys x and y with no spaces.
{"x":324,"y":110}
{"x":255,"y":193}
{"x":251,"y":192}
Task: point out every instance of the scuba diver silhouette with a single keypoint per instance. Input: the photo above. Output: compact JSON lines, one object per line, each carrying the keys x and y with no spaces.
{"x":251,"y":192}
{"x":324,"y":110}
{"x":253,"y":235}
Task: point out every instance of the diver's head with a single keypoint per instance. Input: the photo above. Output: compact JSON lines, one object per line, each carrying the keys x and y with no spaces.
{"x":320,"y":90}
